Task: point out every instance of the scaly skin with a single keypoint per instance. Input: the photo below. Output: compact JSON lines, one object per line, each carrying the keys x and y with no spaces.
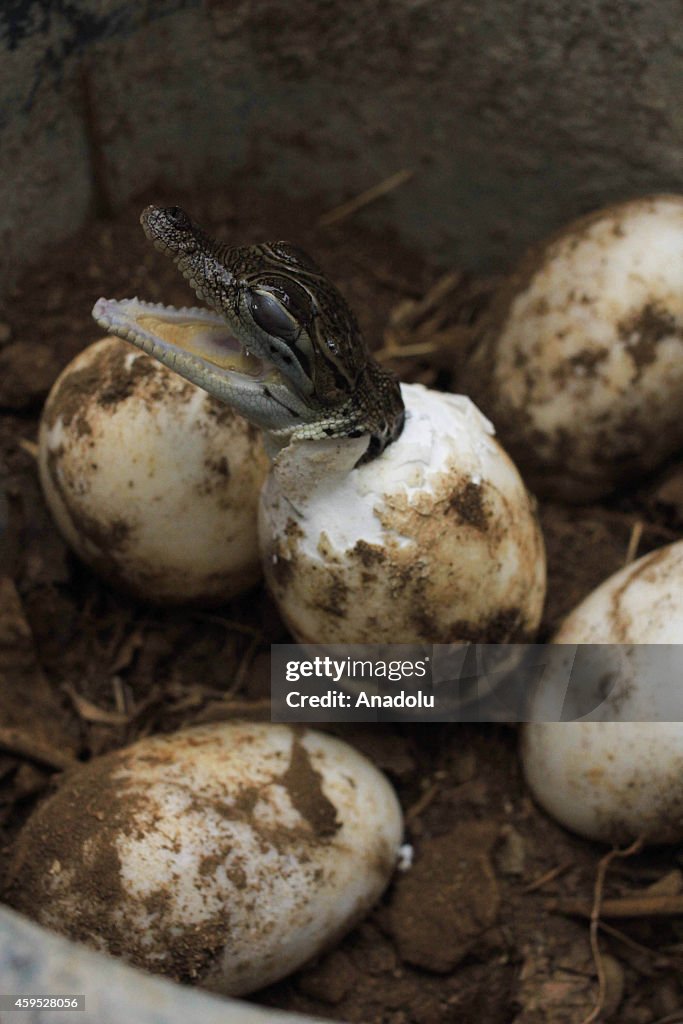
{"x":300,"y":369}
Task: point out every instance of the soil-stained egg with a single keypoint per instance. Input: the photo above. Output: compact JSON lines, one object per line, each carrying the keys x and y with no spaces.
{"x":580,"y":362}
{"x":435,"y":540}
{"x":224,"y":855}
{"x":618,"y":773}
{"x":153,"y":483}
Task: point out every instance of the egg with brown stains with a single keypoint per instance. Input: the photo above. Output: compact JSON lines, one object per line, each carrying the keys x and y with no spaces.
{"x":435,"y":540}
{"x":225,"y":855}
{"x":617,"y":774}
{"x":580,"y":359}
{"x":153,"y":483}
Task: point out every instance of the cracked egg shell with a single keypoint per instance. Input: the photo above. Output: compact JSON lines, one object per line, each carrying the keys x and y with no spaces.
{"x":580,"y":361}
{"x":225,"y":855}
{"x":435,"y":540}
{"x":614,"y":777}
{"x":153,"y":483}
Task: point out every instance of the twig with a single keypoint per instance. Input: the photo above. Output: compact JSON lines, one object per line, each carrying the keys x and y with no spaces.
{"x":19,"y":743}
{"x":227,"y":710}
{"x":30,"y":447}
{"x":419,"y":348}
{"x":123,"y":651}
{"x":243,"y":667}
{"x":601,"y":874}
{"x":669,"y":884}
{"x":120,"y":697}
{"x":385,"y":277}
{"x":422,"y":803}
{"x":345,"y":210}
{"x":549,"y":876}
{"x":90,"y":712}
{"x":655,"y":529}
{"x":665,"y":959}
{"x":623,"y":906}
{"x":634,"y":541}
{"x":232,"y":624}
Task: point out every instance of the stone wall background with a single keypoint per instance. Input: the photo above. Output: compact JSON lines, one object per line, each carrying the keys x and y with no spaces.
{"x":514,"y":114}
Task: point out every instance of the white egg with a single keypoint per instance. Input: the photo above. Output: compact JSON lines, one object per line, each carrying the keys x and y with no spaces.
{"x":580,"y":364}
{"x":152,"y":482}
{"x":435,"y":540}
{"x":224,"y":855}
{"x":614,"y":776}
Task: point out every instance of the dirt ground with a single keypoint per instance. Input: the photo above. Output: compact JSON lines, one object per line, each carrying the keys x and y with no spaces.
{"x":473,"y":932}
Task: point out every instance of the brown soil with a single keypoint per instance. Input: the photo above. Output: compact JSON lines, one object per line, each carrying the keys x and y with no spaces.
{"x":463,"y":936}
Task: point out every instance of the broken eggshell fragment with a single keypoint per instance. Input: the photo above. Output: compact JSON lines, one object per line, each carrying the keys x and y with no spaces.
{"x":580,"y":360}
{"x":435,"y":540}
{"x":619,"y":775}
{"x":153,"y":483}
{"x":225,"y":855}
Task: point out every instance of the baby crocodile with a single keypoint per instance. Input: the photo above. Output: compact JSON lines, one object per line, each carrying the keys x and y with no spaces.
{"x":278,"y":343}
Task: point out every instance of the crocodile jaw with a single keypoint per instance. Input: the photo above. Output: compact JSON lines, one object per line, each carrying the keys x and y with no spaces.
{"x":197,"y":344}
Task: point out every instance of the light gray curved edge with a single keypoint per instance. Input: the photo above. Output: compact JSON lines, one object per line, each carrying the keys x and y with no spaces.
{"x":36,"y":961}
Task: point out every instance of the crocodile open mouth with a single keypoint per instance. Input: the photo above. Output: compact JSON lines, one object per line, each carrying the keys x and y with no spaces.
{"x":183,"y":339}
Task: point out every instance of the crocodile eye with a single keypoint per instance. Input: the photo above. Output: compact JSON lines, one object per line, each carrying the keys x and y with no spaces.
{"x":177,"y":218}
{"x":270,"y":315}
